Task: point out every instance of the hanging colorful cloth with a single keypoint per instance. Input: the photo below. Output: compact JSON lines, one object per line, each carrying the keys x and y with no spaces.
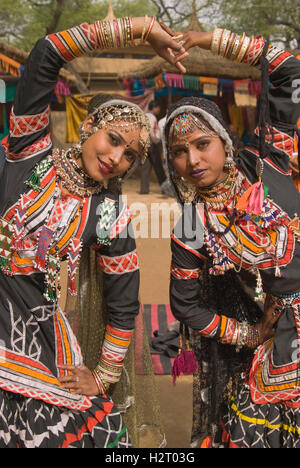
{"x":210,"y":85}
{"x":242,"y":94}
{"x":159,"y":81}
{"x":191,"y":82}
{"x":174,"y":80}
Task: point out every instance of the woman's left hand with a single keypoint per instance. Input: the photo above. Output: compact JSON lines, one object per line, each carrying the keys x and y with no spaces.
{"x":81,"y":381}
{"x":167,"y":47}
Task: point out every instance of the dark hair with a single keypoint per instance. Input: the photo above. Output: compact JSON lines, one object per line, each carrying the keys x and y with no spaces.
{"x":97,"y":100}
{"x":153,"y":104}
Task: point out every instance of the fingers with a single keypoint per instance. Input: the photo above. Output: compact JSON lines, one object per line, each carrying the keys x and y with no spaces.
{"x":167,"y":29}
{"x":169,"y":56}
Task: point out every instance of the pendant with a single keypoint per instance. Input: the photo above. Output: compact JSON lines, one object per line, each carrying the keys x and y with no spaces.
{"x":238,"y":247}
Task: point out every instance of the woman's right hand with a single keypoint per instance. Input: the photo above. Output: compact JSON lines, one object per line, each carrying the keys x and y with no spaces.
{"x":192,"y":38}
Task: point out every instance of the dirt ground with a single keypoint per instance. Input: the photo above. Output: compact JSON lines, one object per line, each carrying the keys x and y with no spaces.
{"x":155,"y":258}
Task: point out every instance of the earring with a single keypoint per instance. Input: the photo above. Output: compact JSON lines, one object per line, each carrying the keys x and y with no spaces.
{"x":229,"y":161}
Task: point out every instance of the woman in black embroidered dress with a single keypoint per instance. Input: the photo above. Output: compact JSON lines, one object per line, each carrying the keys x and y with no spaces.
{"x":53,"y":204}
{"x":244,"y":217}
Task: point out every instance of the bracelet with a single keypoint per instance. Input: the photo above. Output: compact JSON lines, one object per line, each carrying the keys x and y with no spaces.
{"x":246,"y":46}
{"x":224,"y":42}
{"x":117,"y":33}
{"x":102,"y":387}
{"x":216,"y":39}
{"x":152,"y":21}
{"x":239,"y":48}
{"x":235,"y":47}
{"x":231,"y":44}
{"x":144,"y":29}
{"x":247,"y":336}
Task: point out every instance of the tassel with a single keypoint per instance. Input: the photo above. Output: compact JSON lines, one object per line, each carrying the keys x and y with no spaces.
{"x":251,"y":202}
{"x":185,"y":362}
{"x":256,"y":199}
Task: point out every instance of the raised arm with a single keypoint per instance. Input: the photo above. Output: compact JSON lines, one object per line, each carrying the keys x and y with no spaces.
{"x":283,"y":95}
{"x":29,"y":124}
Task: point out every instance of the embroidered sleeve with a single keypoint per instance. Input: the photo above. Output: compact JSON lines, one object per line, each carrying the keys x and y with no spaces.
{"x":29,"y":133}
{"x":185,"y":298}
{"x":114,"y":349}
{"x":118,"y":259}
{"x":284,"y":75}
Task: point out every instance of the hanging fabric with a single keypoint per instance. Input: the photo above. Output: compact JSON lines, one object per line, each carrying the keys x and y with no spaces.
{"x":174,"y":80}
{"x":191,"y":82}
{"x":210,"y":85}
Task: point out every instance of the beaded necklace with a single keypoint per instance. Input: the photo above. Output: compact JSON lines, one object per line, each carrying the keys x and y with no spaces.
{"x":230,"y":190}
{"x":73,"y":177}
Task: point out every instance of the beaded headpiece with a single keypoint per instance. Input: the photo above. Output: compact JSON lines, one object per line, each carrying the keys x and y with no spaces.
{"x":126,"y":116}
{"x":185,"y":123}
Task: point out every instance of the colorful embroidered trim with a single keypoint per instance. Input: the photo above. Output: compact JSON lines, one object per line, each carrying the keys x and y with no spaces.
{"x":185,"y":274}
{"x":36,"y":148}
{"x":74,"y":42}
{"x":23,"y":125}
{"x":119,"y":265}
{"x":107,"y":213}
{"x":114,"y":349}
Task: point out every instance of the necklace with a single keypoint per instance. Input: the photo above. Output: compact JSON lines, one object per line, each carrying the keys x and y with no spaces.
{"x":73,"y":177}
{"x":218,"y":196}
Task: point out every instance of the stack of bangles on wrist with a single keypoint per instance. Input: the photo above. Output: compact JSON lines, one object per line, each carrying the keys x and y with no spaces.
{"x":117,"y":33}
{"x":102,"y":386}
{"x":148,"y":26}
{"x":233,"y":46}
{"x":240,"y":334}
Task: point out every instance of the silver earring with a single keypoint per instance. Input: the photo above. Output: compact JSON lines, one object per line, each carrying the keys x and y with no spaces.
{"x":229,"y":161}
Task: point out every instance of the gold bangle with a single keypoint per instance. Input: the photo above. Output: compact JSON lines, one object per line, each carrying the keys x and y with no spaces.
{"x":151,"y":24}
{"x":121,"y":32}
{"x":144,"y":28}
{"x":98,"y":382}
{"x":224,"y":43}
{"x":216,"y":39}
{"x":231,"y":45}
{"x":244,"y":49}
{"x":236,"y":46}
{"x":113,"y":34}
{"x":242,"y":40}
